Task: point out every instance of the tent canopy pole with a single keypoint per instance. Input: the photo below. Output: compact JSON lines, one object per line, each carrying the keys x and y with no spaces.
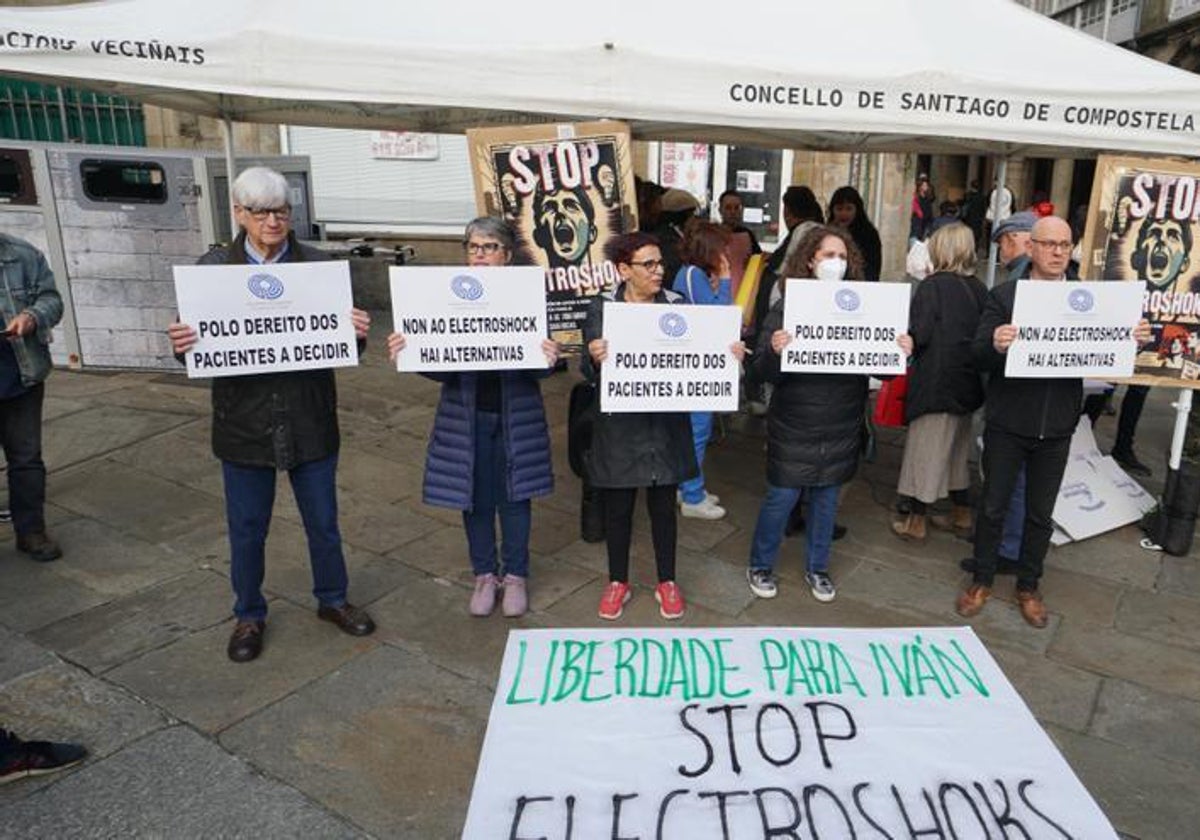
{"x":230,"y":171}
{"x":993,"y":248}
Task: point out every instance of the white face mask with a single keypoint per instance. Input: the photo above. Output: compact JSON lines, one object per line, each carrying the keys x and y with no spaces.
{"x":833,"y":268}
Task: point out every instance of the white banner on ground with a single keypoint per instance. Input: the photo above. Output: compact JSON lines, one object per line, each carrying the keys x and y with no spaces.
{"x":735,"y":733}
{"x":456,"y":318}
{"x":845,"y":327}
{"x":266,"y":318}
{"x":1096,"y":495}
{"x":669,"y":358}
{"x":1074,"y":329}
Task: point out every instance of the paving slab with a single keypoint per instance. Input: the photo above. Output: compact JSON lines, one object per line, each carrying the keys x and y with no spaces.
{"x":176,"y":457}
{"x":174,"y":783}
{"x":19,"y":656}
{"x":1116,"y":557}
{"x":1055,"y":693}
{"x":1143,"y":795}
{"x":108,"y":561}
{"x":36,"y":594}
{"x":1173,"y":619}
{"x":368,"y":522}
{"x":793,"y":606}
{"x":128,"y":627}
{"x":63,"y":703}
{"x":389,"y":740}
{"x":428,"y":616}
{"x":94,"y":431}
{"x":1180,"y":575}
{"x":150,"y":507}
{"x":1171,"y":670}
{"x":1149,"y":721}
{"x":195,"y":681}
{"x":999,"y":622}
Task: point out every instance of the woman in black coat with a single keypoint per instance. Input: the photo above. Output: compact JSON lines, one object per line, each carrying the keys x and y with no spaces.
{"x":944,"y":388}
{"x":814,"y":427}
{"x":650,"y":450}
{"x":846,"y":210}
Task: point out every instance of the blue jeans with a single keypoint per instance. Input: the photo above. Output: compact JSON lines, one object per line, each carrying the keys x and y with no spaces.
{"x":818,"y":532}
{"x":489,"y":497}
{"x":693,"y":489}
{"x":249,"y":498}
{"x":1014,"y":521}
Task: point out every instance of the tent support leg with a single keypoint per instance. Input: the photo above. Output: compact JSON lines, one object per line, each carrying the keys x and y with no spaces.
{"x":993,"y":248}
{"x":230,"y":169}
{"x":1183,"y":407}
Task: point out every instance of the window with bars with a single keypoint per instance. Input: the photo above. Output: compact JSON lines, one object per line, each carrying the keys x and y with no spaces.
{"x":30,"y":111}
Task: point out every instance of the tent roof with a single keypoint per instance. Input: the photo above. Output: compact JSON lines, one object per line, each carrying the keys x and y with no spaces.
{"x":924,"y":75}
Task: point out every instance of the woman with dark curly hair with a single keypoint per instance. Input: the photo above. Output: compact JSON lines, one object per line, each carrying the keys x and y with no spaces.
{"x":814,"y":427}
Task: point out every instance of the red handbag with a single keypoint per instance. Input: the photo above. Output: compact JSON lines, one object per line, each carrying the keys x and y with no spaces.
{"x":889,"y":404}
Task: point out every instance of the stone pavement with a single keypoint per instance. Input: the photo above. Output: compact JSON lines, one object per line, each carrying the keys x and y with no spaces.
{"x":121,"y":644}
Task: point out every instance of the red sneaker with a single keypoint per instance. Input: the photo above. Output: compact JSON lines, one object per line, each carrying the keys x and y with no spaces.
{"x":612,"y":602}
{"x":670,"y":600}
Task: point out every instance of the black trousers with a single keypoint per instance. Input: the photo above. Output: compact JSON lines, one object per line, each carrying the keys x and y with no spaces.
{"x":618,"y":528}
{"x":21,"y":437}
{"x":1131,"y":411}
{"x":1045,"y":461}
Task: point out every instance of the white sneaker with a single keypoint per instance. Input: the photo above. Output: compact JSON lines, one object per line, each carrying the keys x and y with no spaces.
{"x":702,"y":510}
{"x":708,"y":497}
{"x":821,"y":586}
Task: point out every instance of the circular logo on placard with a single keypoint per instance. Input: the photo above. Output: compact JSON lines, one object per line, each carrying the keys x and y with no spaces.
{"x":1081,"y":300}
{"x":673,"y":324}
{"x":466,"y":287}
{"x":265,"y":286}
{"x":847,"y":300}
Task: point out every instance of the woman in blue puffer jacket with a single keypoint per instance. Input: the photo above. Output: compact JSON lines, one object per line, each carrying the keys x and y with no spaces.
{"x":489,"y":452}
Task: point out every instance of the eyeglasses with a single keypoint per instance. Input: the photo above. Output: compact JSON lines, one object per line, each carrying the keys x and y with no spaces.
{"x":1054,"y":246}
{"x":653,"y":266}
{"x":480,"y":248}
{"x":259,"y":214}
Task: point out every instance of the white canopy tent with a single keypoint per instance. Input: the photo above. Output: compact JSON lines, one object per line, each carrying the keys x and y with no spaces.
{"x":857,"y":75}
{"x":903,"y":75}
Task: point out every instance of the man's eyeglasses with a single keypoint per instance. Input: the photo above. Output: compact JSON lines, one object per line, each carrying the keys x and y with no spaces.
{"x":652,"y":266}
{"x":482,"y":248}
{"x":259,"y":214}
{"x":1054,"y":246}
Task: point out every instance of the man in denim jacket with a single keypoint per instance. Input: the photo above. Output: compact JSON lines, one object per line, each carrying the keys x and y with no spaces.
{"x":31,"y":307}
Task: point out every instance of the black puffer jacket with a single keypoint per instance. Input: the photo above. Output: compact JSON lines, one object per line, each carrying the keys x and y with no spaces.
{"x":815,"y":423}
{"x":942,"y":378}
{"x":634,"y":450}
{"x":275,"y":420}
{"x":1036,"y":408}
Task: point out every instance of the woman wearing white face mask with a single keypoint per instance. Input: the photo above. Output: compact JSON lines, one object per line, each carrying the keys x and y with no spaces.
{"x":814,"y":427}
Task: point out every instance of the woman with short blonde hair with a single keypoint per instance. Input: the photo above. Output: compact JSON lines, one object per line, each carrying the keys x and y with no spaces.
{"x":944,"y":389}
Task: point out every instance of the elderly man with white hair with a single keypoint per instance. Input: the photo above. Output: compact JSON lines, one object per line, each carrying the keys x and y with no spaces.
{"x":267,"y":422}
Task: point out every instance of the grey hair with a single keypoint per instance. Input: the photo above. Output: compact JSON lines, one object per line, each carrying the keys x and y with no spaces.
{"x":493,"y":228}
{"x":259,"y":187}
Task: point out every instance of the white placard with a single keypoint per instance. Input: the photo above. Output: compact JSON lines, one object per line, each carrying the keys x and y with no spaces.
{"x":845,"y":327}
{"x":726,"y":734}
{"x":456,"y":318}
{"x":266,"y":318}
{"x":1096,"y":495}
{"x":1074,"y":329}
{"x":669,"y":358}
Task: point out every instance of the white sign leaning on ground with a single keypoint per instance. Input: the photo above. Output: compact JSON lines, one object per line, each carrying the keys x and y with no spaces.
{"x":845,"y":327}
{"x":1074,"y":329}
{"x":737,"y":733}
{"x":664,"y":357}
{"x":266,"y":318}
{"x":456,"y":318}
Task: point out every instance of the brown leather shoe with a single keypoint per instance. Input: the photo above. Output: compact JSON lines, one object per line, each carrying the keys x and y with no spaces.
{"x":246,"y":641}
{"x":349,"y":618}
{"x":972,"y":599}
{"x":1033,"y":608}
{"x":959,"y":521}
{"x":911,"y":528}
{"x":38,"y":546}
